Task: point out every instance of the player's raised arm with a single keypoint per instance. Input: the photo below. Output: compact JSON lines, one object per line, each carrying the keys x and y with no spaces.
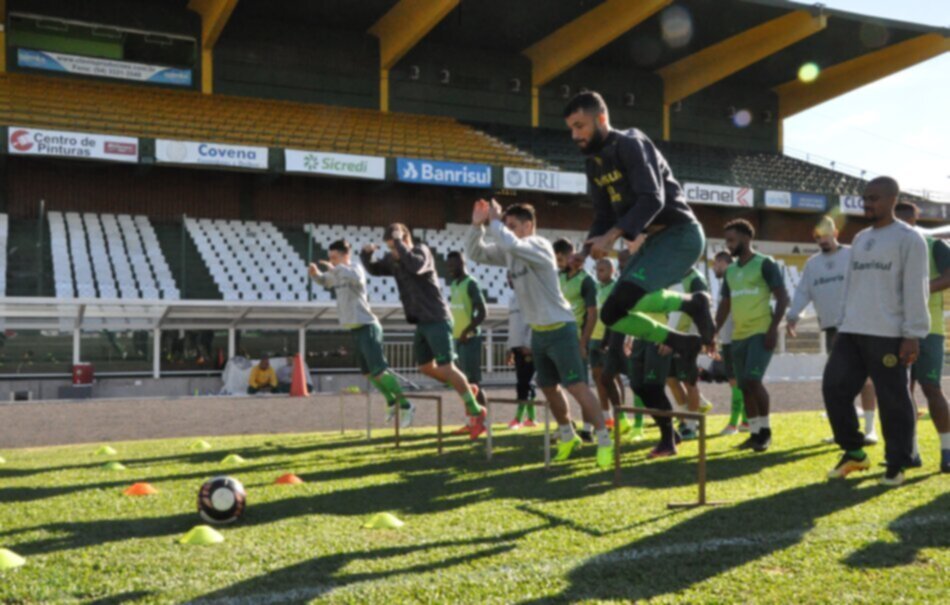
{"x":476,"y":248}
{"x":379,"y":268}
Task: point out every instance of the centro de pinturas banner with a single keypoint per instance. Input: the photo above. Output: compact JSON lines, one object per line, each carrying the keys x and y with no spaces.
{"x":66,"y":144}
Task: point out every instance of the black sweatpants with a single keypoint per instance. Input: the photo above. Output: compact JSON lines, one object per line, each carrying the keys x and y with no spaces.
{"x":524,"y":372}
{"x":855,"y":357}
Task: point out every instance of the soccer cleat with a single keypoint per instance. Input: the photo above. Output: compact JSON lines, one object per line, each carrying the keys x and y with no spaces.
{"x":465,"y":429}
{"x":916,"y":462}
{"x":586,"y":435}
{"x":705,"y":406}
{"x":748,"y":443}
{"x":406,"y":415}
{"x":729,"y":431}
{"x":662,"y":451}
{"x":565,"y":448}
{"x":828,"y":440}
{"x":605,"y":456}
{"x":849,"y":464}
{"x":529,"y":424}
{"x":390,"y":412}
{"x":609,"y":423}
{"x":514,"y":425}
{"x":625,"y":425}
{"x":945,"y":461}
{"x":677,"y":438}
{"x":636,"y":434}
{"x":688,"y":433}
{"x":478,"y":425}
{"x":744,"y":427}
{"x":763,"y":440}
{"x":892,"y":477}
{"x":870,"y":438}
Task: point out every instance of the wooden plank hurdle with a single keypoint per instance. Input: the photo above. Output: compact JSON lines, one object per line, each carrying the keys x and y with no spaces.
{"x":701,"y":501}
{"x":438,"y":414}
{"x":489,"y":437}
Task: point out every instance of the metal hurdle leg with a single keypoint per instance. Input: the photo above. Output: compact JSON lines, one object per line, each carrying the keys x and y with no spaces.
{"x":488,"y":433}
{"x":489,"y":444}
{"x":342,"y":419}
{"x":369,"y":414}
{"x":547,"y":437}
{"x":438,"y":410}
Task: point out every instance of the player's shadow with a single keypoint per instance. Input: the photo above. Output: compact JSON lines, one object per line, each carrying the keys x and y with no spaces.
{"x":124,"y":597}
{"x":323,"y":575}
{"x":709,"y":544}
{"x":925,"y":527}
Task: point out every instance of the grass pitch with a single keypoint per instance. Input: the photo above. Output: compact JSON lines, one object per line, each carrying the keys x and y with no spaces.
{"x":504,"y":531}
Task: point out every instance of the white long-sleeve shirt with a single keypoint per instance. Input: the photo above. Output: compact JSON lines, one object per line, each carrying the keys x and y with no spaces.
{"x":348,"y":282}
{"x":533,"y":269}
{"x":887,"y":284}
{"x":822,"y":285}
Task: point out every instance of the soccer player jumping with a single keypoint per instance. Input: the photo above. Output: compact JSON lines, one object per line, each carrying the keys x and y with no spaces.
{"x":635,"y":196}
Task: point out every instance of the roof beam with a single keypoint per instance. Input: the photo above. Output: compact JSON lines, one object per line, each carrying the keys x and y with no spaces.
{"x":714,"y":63}
{"x":572,"y":43}
{"x":795,"y":96}
{"x":214,"y":16}
{"x":405,"y":24}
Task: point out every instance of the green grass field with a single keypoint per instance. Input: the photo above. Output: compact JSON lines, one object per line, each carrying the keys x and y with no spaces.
{"x":476,"y":532}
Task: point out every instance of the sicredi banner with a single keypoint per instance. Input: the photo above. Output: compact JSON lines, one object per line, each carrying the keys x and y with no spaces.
{"x":719,"y":195}
{"x":852,"y":204}
{"x":58,"y":143}
{"x":428,"y":172}
{"x":551,"y":181}
{"x":335,"y":164}
{"x":778,"y":199}
{"x":212,"y":154}
{"x":103,"y":68}
{"x":809,"y":201}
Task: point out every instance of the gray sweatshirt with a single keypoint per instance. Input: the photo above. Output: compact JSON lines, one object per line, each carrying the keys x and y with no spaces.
{"x":519,"y":333}
{"x":348,"y":283}
{"x":887,"y":285}
{"x":418,"y":283}
{"x":823,"y":285}
{"x":533,"y":269}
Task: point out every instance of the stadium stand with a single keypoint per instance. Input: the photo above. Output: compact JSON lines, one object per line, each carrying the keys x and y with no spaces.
{"x":101,"y":107}
{"x":108,"y":256}
{"x":4,"y":231}
{"x":250,"y":260}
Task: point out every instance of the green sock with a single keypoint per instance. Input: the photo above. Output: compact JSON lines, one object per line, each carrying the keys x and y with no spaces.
{"x":471,"y":405}
{"x":390,"y":398}
{"x":531,"y":412}
{"x":522,"y":410}
{"x":638,"y":418}
{"x":639,"y":325}
{"x":737,"y":406}
{"x":391,"y":384}
{"x":743,"y":418}
{"x":857,"y":454}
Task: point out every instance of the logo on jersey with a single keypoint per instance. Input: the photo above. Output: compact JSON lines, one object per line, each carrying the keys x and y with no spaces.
{"x":640,"y":274}
{"x":890,"y":360}
{"x":869,"y":245}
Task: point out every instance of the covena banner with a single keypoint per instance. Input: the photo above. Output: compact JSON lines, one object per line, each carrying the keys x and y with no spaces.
{"x":852,"y":204}
{"x":787,"y":200}
{"x":778,"y":199}
{"x":719,"y":195}
{"x":335,"y":164}
{"x":103,"y":68}
{"x":212,"y":154}
{"x":551,"y":181}
{"x":428,"y":172}
{"x":32,"y":141}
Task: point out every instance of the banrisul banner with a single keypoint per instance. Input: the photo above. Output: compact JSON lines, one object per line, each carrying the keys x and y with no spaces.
{"x":787,"y":200}
{"x":58,"y":143}
{"x":211,"y":154}
{"x":335,"y":164}
{"x":852,"y":204}
{"x":428,"y":172}
{"x":103,"y":68}
{"x":551,"y":181}
{"x":719,"y":195}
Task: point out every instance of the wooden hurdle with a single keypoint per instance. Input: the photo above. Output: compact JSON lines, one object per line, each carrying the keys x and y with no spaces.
{"x":701,"y":501}
{"x":489,"y":436}
{"x":438,"y":414}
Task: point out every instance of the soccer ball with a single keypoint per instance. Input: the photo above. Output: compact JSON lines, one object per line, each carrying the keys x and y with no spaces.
{"x":221,"y":500}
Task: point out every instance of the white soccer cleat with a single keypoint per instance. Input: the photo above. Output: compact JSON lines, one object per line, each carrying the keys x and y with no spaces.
{"x":406,"y":415}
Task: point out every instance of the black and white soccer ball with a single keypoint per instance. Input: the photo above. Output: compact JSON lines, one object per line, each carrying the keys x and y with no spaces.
{"x":221,"y":500}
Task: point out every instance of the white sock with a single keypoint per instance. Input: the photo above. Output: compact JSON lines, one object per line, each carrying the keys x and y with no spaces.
{"x":945,"y":441}
{"x":916,"y":448}
{"x":754,"y":425}
{"x":868,"y":422}
{"x":603,"y":438}
{"x":566,"y":431}
{"x":764,"y":423}
{"x":692,"y":424}
{"x":608,"y":413}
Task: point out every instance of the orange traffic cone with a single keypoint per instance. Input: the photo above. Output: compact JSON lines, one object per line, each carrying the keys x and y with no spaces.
{"x":298,"y":385}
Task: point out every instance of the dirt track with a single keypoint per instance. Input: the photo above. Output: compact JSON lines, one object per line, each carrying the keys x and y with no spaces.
{"x":56,"y":423}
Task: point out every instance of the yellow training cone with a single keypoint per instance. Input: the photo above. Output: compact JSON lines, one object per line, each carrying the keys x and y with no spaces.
{"x":9,"y":559}
{"x":383,"y":521}
{"x":201,"y":444}
{"x":113,"y":466}
{"x":201,"y":535}
{"x":3,"y":460}
{"x":233,"y":459}
{"x":105,"y":450}
{"x":353,"y":389}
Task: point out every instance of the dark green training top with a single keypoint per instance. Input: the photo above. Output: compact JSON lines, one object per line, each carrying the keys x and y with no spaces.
{"x":632,"y":186}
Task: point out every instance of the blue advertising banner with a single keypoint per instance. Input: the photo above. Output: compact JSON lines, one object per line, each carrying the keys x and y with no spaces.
{"x":809,"y":201}
{"x":430,"y":172}
{"x":103,"y":68}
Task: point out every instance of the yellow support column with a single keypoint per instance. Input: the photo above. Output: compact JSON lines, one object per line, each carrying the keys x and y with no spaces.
{"x":666,"y":122}
{"x":207,"y":71}
{"x":384,"y":90}
{"x":535,"y":107}
{"x":214,"y":16}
